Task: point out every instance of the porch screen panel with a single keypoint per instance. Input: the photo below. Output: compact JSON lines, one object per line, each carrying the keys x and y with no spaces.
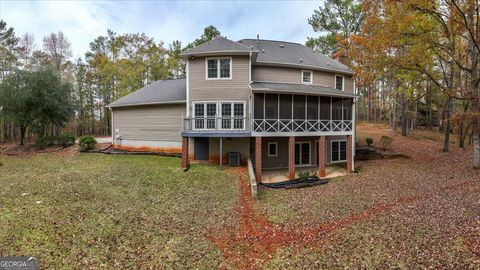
{"x":336,"y":108}
{"x":271,"y":106}
{"x":299,"y":107}
{"x":347,"y":109}
{"x":285,"y":107}
{"x":312,"y":107}
{"x":324,"y":108}
{"x":258,"y":106}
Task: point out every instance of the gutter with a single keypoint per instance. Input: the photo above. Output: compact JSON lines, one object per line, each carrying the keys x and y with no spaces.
{"x":146,"y":104}
{"x":278,"y":64}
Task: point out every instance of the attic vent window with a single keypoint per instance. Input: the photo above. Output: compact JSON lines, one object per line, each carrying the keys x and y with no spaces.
{"x":282,"y":45}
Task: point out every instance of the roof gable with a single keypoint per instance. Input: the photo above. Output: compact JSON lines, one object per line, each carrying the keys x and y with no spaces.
{"x":216,"y":45}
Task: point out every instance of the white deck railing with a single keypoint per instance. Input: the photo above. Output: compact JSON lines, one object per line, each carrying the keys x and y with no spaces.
{"x":215,"y":124}
{"x":209,"y":124}
{"x":291,"y":125}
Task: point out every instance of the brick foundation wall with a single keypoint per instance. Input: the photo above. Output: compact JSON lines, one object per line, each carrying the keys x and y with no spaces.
{"x":291,"y":157}
{"x":349,"y":154}
{"x":322,"y":156}
{"x":258,"y":159}
{"x":184,"y":152}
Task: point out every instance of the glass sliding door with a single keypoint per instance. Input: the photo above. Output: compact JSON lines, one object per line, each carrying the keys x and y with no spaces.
{"x":302,"y":153}
{"x":338,"y":151}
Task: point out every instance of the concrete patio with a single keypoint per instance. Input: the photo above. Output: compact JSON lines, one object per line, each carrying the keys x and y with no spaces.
{"x":279,"y":175}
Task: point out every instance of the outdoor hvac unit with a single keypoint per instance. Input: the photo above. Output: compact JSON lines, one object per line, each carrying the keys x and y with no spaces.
{"x":233,"y":159}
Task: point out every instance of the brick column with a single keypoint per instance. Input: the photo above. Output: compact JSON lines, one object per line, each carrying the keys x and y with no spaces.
{"x":184,"y":152}
{"x":291,"y":157}
{"x":322,"y":156}
{"x":258,"y":159}
{"x":349,"y":154}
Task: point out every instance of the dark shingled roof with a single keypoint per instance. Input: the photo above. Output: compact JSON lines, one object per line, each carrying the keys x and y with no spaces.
{"x":218,"y":44}
{"x":292,"y":54}
{"x":298,"y":88}
{"x":168,"y":91}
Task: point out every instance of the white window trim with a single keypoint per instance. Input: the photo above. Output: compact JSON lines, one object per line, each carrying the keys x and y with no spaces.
{"x":232,"y":102}
{"x":343,"y":82}
{"x":311,"y":76}
{"x":331,"y":151}
{"x":309,"y":154}
{"x":276,"y":149}
{"x":218,"y":68}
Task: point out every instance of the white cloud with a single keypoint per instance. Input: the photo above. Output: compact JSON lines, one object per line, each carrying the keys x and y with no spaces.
{"x":82,"y":21}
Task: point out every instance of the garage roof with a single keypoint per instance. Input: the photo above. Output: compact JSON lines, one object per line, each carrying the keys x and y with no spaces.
{"x":158,"y":92}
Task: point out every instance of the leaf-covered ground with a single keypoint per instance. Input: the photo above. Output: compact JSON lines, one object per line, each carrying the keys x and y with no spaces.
{"x":420,"y":212}
{"x":93,"y":211}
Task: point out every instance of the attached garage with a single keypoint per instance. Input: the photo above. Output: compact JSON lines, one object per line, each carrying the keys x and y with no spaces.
{"x":150,"y":119}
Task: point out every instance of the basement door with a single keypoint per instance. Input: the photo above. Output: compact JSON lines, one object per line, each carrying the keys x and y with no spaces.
{"x":302,"y":153}
{"x":202,"y":146}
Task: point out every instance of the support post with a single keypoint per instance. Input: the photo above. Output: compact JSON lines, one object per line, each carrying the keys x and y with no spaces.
{"x":221,"y":151}
{"x":349,"y":154}
{"x":258,"y":159}
{"x":291,"y":157}
{"x":185,"y":152}
{"x":322,"y":156}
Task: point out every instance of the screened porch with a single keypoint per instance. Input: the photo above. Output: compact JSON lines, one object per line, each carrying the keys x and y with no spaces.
{"x":275,"y":113}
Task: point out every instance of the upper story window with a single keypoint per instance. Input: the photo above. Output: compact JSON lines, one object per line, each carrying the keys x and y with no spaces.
{"x":219,"y":68}
{"x":339,"y":82}
{"x":307,"y":76}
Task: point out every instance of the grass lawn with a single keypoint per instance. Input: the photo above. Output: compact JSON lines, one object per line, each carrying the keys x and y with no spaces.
{"x":102,"y":211}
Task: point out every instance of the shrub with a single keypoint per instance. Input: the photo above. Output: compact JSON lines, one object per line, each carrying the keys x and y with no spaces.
{"x":369,"y":141}
{"x":63,"y":140}
{"x":66,"y":140}
{"x":306,"y":174}
{"x":386,"y":141}
{"x":87,"y":143}
{"x":46,"y":141}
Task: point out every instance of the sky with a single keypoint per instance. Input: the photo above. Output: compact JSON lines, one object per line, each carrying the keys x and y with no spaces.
{"x":82,"y":21}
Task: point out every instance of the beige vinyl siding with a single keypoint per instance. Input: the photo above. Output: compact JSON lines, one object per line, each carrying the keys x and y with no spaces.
{"x":294,"y":75}
{"x":236,"y":88}
{"x":156,"y":122}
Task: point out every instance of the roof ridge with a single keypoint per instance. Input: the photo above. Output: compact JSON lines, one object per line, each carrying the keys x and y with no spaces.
{"x":271,"y":40}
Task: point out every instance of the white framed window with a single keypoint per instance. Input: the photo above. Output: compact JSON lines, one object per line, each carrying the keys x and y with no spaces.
{"x":339,"y":82}
{"x":307,"y":76}
{"x":205,"y":115}
{"x":233,"y":114}
{"x":338,"y":151}
{"x":272,"y":148}
{"x":219,"y":68}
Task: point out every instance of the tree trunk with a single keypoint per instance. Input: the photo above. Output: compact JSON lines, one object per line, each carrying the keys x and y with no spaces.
{"x":404,"y":115}
{"x":446,"y":141}
{"x":22,"y":134}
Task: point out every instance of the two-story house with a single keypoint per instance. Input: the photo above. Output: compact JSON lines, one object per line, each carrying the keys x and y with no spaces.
{"x":279,"y":103}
